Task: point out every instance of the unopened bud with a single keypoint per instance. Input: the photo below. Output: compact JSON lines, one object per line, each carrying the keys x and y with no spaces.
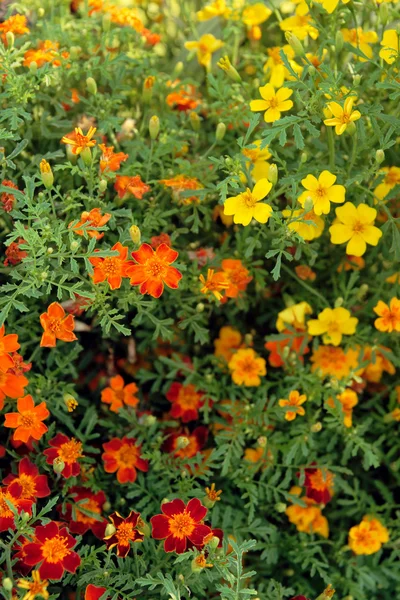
{"x":379,"y":156}
{"x":178,"y":68}
{"x":273,"y":174}
{"x":248,"y":339}
{"x":200,"y":307}
{"x":195,"y":121}
{"x":148,"y":88}
{"x":106,"y":21}
{"x":102,"y":186}
{"x":165,"y":500}
{"x":316,"y":427}
{"x":225,"y":64}
{"x":25,"y":516}
{"x":357,"y":80}
{"x":182,"y":442}
{"x":58,"y":465}
{"x":339,"y":302}
{"x":220,"y":132}
{"x":383,"y":13}
{"x":91,"y":86}
{"x":295,"y":44}
{"x":74,"y":246}
{"x":106,"y":506}
{"x":154,"y":127}
{"x":10,"y":38}
{"x":7,"y":584}
{"x":262,"y":441}
{"x":339,"y":41}
{"x":86,"y":156}
{"x":46,"y":173}
{"x":150,"y":420}
{"x":303,"y":157}
{"x":363,"y":291}
{"x":74,"y":52}
{"x":308,"y":204}
{"x":110,"y":530}
{"x":280,"y":507}
{"x":135,"y":234}
{"x":33,"y":67}
{"x":41,"y":12}
{"x":50,"y":250}
{"x":144,"y":528}
{"x":327,"y":594}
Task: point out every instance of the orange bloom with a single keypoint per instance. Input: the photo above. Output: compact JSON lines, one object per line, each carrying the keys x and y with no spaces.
{"x":351,"y":263}
{"x":125,"y":185}
{"x":368,"y":536}
{"x":79,"y":141}
{"x":305,"y":273}
{"x":332,"y":361}
{"x":11,"y":386}
{"x":237,"y":275}
{"x":319,"y":484}
{"x":7,"y":199}
{"x":56,"y":326}
{"x":214,"y":284}
{"x":119,"y":394}
{"x":247,"y":368}
{"x":181,"y":183}
{"x":153,"y":269}
{"x":111,"y":268}
{"x":110,"y":160}
{"x":27,"y":422}
{"x":186,"y":401}
{"x":377,"y":366}
{"x":46,"y":52}
{"x":348,"y":399}
{"x":17,"y":24}
{"x":183,"y":98}
{"x":389,"y":315}
{"x":194,"y":442}
{"x":123,"y":456}
{"x":8,"y":343}
{"x":309,"y":518}
{"x":293,"y":404}
{"x":126,"y":531}
{"x":229,"y":340}
{"x":94,"y":218}
{"x":295,"y":343}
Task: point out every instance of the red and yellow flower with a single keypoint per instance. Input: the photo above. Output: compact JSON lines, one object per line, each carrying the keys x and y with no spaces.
{"x":11,"y":496}
{"x":152,"y":269}
{"x":194,"y":442}
{"x":79,"y":141}
{"x":32,"y":483}
{"x":66,"y":451}
{"x":319,"y":484}
{"x":186,"y":401}
{"x":126,"y":532}
{"x":123,"y":457}
{"x":118,"y":394}
{"x":57,"y":326}
{"x":84,"y":513}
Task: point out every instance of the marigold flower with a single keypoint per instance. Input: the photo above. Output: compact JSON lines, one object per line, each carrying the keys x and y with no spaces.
{"x":390,"y":46}
{"x":247,"y":368}
{"x":275,"y":68}
{"x":368,"y":536}
{"x":183,"y":98}
{"x":348,"y":399}
{"x":196,"y":440}
{"x":180,"y":524}
{"x":294,"y":341}
{"x":253,"y":16}
{"x":237,"y":276}
{"x":8,"y":344}
{"x":361,"y":40}
{"x":91,"y":219}
{"x":351,"y":263}
{"x":126,"y":532}
{"x":257,"y":160}
{"x":27,"y":422}
{"x":111,"y":268}
{"x":305,"y":273}
{"x":389,"y":315}
{"x":57,"y":326}
{"x":123,"y":457}
{"x":186,"y":401}
{"x":119,"y":394}
{"x":110,"y":160}
{"x":7,"y":199}
{"x":273,"y":102}
{"x":229,"y":340}
{"x":157,"y":240}
{"x":153,"y":269}
{"x":322,"y":192}
{"x":332,"y":324}
{"x":301,"y":25}
{"x":218,"y":8}
{"x":65,"y":449}
{"x":294,"y":316}
{"x":309,"y":518}
{"x":332,"y":361}
{"x":36,"y":587}
{"x":205,"y":48}
{"x":319,"y":484}
{"x":79,"y":141}
{"x":295,"y":402}
{"x":214,"y":284}
{"x":390,"y":180}
{"x":355,"y":225}
{"x":16,"y":24}
{"x":12,"y":495}
{"x":11,"y":385}
{"x":213,"y":495}
{"x":14,"y":255}
{"x":52,"y":549}
{"x":46,"y":52}
{"x":33,"y":485}
{"x":298,"y":222}
{"x":247,"y":206}
{"x":94,"y":592}
{"x":378,"y":364}
{"x":181,"y":183}
{"x":330,"y":5}
{"x":342,"y":116}
{"x":85,"y":512}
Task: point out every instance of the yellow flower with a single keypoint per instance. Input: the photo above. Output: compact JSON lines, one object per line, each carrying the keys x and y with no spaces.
{"x":322,"y":192}
{"x":246,"y":368}
{"x":257,"y":160}
{"x":368,"y":536}
{"x":342,"y":116}
{"x":205,"y":47}
{"x":36,"y":588}
{"x":274,"y":103}
{"x":332,"y":324}
{"x":308,"y":231}
{"x":80,"y":141}
{"x":294,"y":401}
{"x":214,"y":284}
{"x":294,"y":316}
{"x":253,"y":16}
{"x":360,"y":39}
{"x":300,"y":25}
{"x":390,"y":46}
{"x":391,"y":179}
{"x":274,"y":67}
{"x":217,"y":8}
{"x":247,"y":206}
{"x":330,"y":5}
{"x":356,"y":227}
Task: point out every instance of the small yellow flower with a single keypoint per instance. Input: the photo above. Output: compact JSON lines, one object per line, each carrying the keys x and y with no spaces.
{"x":322,"y":192}
{"x":297,"y":221}
{"x":80,"y":141}
{"x":273,"y":102}
{"x":275,"y":68}
{"x":247,"y":206}
{"x":390,"y":180}
{"x":330,"y":5}
{"x":36,"y":588}
{"x":295,"y":401}
{"x":214,"y":284}
{"x":293,"y":316}
{"x":332,"y":324}
{"x":390,"y":46}
{"x":217,"y":8}
{"x":257,"y":160}
{"x":300,"y":25}
{"x":205,"y":47}
{"x":253,"y":16}
{"x":342,"y":116}
{"x":356,"y":227}
{"x":361,"y":39}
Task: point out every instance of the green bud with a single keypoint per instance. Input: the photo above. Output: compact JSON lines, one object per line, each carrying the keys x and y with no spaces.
{"x":135,"y":234}
{"x":10,"y":38}
{"x":262,"y":441}
{"x":8,"y":584}
{"x":178,"y":68}
{"x":200,"y":307}
{"x":303,"y":157}
{"x":46,"y":174}
{"x":110,"y":530}
{"x":225,"y":64}
{"x":273,"y":174}
{"x":106,"y":22}
{"x":74,"y":246}
{"x":86,"y":156}
{"x":154,"y":127}
{"x":339,"y":302}
{"x":50,"y":250}
{"x":379,"y":156}
{"x":280,"y":507}
{"x":214,"y":542}
{"x":106,"y":506}
{"x":91,"y":86}
{"x":182,"y":442}
{"x":316,"y":427}
{"x":220,"y":132}
{"x":58,"y":465}
{"x":74,"y":52}
{"x":41,"y":12}
{"x":150,"y":420}
{"x":33,"y":67}
{"x":102,"y":185}
{"x":308,"y":204}
{"x":384,"y":13}
{"x":339,"y":41}
{"x":351,"y":128}
{"x":195,"y":121}
{"x":295,"y":44}
{"x":357,"y":80}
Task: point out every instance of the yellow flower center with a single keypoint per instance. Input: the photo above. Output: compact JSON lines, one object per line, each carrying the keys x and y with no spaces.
{"x":28,"y":485}
{"x":127,"y":456}
{"x":91,"y":506}
{"x":181,"y":525}
{"x":249,"y":199}
{"x":188,"y":397}
{"x":111,"y":266}
{"x":125,"y":533}
{"x":273,"y":102}
{"x":55,"y":549}
{"x":273,"y":53}
{"x":358,"y":227}
{"x":70,"y":451}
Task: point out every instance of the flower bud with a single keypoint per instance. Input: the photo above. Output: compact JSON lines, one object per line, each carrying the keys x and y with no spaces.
{"x":383,"y":14}
{"x":149,"y":420}
{"x":248,"y":339}
{"x":106,"y":22}
{"x":182,"y":442}
{"x":178,"y":68}
{"x":379,"y":156}
{"x":86,"y":156}
{"x":70,"y":402}
{"x":46,"y":173}
{"x":327,"y":594}
{"x":148,"y":88}
{"x":154,"y":127}
{"x":214,"y":542}
{"x":200,"y":307}
{"x":308,"y":204}
{"x":74,"y":246}
{"x":110,"y":530}
{"x":357,"y":80}
{"x":50,"y":250}
{"x":102,"y":185}
{"x":273,"y":174}
{"x":295,"y":44}
{"x":316,"y":427}
{"x":33,"y":67}
{"x":195,"y":121}
{"x":7,"y":584}
{"x":339,"y":302}
{"x":41,"y":12}
{"x":339,"y":41}
{"x":10,"y":38}
{"x":262,"y":441}
{"x":144,"y":528}
{"x":91,"y":86}
{"x":135,"y":234}
{"x":58,"y":465}
{"x":220,"y":132}
{"x":362,"y":292}
{"x":165,"y":500}
{"x":303,"y":157}
{"x":25,"y":516}
{"x":106,"y":506}
{"x":280,"y":507}
{"x":225,"y":64}
{"x":74,"y":52}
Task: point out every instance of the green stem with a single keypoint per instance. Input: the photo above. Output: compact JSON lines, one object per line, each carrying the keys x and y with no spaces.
{"x":353,"y":153}
{"x":331,"y":146}
{"x":150,"y":159}
{"x":305,"y":285}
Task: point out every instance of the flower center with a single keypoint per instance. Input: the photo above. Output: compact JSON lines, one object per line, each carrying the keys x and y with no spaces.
{"x":28,"y":419}
{"x":188,"y":397}
{"x":125,"y":533}
{"x":358,"y":227}
{"x":91,"y":506}
{"x":111,"y":266}
{"x":345,"y":117}
{"x":248,"y":199}
{"x":320,"y":192}
{"x":320,"y":481}
{"x":55,"y":324}
{"x":155,"y":268}
{"x":273,"y":102}
{"x":181,"y":525}
{"x":248,"y":366}
{"x":70,"y":451}
{"x":28,"y":485}
{"x":5,"y":510}
{"x":55,"y":549}
{"x":127,"y":456}
{"x":274,"y":54}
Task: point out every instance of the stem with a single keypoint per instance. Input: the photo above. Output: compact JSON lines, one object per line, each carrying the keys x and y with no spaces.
{"x":305,"y":285}
{"x":150,"y":159}
{"x":235,"y":54}
{"x":354,"y":152}
{"x":331,"y":146}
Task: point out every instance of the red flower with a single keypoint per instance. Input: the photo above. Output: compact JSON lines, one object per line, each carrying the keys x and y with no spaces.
{"x":126,"y":531}
{"x":94,"y":592}
{"x":85,"y":502}
{"x":52,"y":548}
{"x":153,"y":269}
{"x":195,"y":441}
{"x":56,"y":326}
{"x":185,"y":401}
{"x":66,"y":450}
{"x":123,"y":456}
{"x":301,"y":597}
{"x":319,"y":484}
{"x":163,"y":238}
{"x":110,"y":160}
{"x":12,"y":494}
{"x":180,"y":524}
{"x":7,"y":199}
{"x":33,"y":485}
{"x":110,"y":268}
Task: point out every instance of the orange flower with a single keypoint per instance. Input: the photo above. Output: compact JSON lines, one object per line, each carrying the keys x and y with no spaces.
{"x":6,"y":198}
{"x":110,"y":160}
{"x":12,"y":386}
{"x":368,"y":536}
{"x":17,"y":24}
{"x":294,"y":342}
{"x":351,"y":263}
{"x":153,"y":269}
{"x":181,"y":183}
{"x":237,"y":275}
{"x":14,"y":254}
{"x":125,"y":185}
{"x":46,"y":52}
{"x":186,"y":401}
{"x":123,"y":456}
{"x":348,"y":399}
{"x":184,"y":98}
{"x":377,"y":366}
{"x":94,"y":218}
{"x":305,"y":273}
{"x":214,"y":284}
{"x":246,"y":367}
{"x":66,"y":451}
{"x":333,"y":361}
{"x":111,"y":268}
{"x":229,"y":340}
{"x":126,"y":531}
{"x":27,"y":422}
{"x":119,"y":394}
{"x":8,"y":343}
{"x":309,"y":518}
{"x":389,"y":315}
{"x":79,"y":141}
{"x":56,"y":326}
{"x":293,"y":405}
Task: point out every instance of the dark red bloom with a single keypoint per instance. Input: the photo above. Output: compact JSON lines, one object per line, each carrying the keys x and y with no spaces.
{"x":33,"y":485}
{"x":186,"y":401}
{"x":65,"y":449}
{"x":94,"y":592}
{"x":7,"y":199}
{"x":12,"y":494}
{"x":180,"y":524}
{"x":79,"y":514}
{"x":126,"y":531}
{"x":196,"y":440}
{"x":319,"y":484}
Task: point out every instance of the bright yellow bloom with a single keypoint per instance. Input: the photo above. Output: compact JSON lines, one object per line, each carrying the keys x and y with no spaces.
{"x":273,"y":102}
{"x":322,"y":192}
{"x":368,"y":536}
{"x":308,"y":231}
{"x":274,"y":67}
{"x":293,"y":316}
{"x":391,"y":179}
{"x":257,"y":160}
{"x":330,"y":5}
{"x":361,"y":39}
{"x":205,"y":47}
{"x":300,"y":25}
{"x":36,"y":588}
{"x":295,"y":402}
{"x":217,"y":8}
{"x":390,"y":46}
{"x":253,"y":16}
{"x":342,"y":116}
{"x":246,"y":368}
{"x":247,"y":206}
{"x":356,"y":227}
{"x":332,"y":324}
{"x":389,"y":315}
{"x":80,"y":141}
